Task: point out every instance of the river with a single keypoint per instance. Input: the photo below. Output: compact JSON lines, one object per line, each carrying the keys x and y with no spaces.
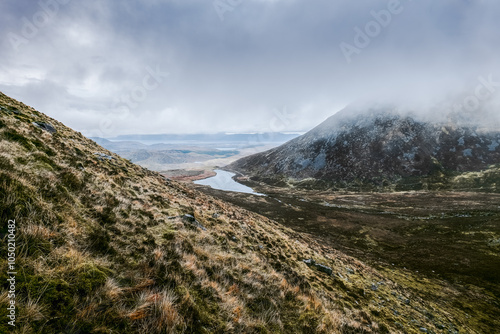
{"x":224,"y":181}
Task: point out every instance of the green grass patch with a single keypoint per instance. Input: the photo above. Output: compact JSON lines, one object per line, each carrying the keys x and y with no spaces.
{"x":21,"y":140}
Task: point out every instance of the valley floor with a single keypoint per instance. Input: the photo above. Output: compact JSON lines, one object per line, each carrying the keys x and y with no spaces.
{"x":443,"y":245}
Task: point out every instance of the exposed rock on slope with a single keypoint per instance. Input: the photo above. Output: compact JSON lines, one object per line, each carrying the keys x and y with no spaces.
{"x":377,"y":148}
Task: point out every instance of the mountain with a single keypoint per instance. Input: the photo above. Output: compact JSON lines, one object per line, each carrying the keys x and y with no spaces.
{"x":106,"y":246}
{"x":379,"y":148}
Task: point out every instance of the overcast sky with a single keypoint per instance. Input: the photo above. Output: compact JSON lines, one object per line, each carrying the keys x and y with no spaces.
{"x":108,"y":67}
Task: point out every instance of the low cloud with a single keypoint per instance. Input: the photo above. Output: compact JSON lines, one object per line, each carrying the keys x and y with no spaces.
{"x":77,"y":60}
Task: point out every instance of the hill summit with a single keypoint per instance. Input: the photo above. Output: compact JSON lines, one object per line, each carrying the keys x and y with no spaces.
{"x":378,"y":148}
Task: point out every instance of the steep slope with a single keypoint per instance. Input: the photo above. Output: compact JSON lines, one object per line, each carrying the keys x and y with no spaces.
{"x":105,"y":246}
{"x":377,"y":148}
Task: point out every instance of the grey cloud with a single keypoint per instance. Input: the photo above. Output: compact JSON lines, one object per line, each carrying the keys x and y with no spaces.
{"x":232,"y":75}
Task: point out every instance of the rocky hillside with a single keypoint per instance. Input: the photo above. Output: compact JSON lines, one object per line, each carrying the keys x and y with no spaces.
{"x":105,"y":246}
{"x":380,"y":148}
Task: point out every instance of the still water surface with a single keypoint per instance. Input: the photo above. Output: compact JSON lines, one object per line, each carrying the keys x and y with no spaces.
{"x":224,"y":181}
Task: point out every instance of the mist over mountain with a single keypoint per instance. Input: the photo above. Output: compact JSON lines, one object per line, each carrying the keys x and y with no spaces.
{"x":380,"y":146}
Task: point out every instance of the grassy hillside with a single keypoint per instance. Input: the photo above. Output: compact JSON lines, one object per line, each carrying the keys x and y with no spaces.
{"x":486,"y":181}
{"x":105,"y":246}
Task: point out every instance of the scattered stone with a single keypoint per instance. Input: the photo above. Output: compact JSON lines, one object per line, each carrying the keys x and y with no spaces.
{"x":215,"y":215}
{"x":439,"y":326}
{"x":45,"y":126}
{"x":261,"y":247}
{"x":350,"y":271}
{"x":494,"y":242}
{"x":423,"y":330}
{"x":309,"y":262}
{"x":102,"y":156}
{"x":374,"y":287}
{"x":191,"y":220}
{"x":10,"y":109}
{"x":327,"y":270}
{"x":407,"y":301}
{"x":319,"y":266}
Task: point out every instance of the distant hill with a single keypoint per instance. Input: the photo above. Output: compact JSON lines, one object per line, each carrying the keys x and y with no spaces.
{"x":382,"y":148}
{"x":245,"y":139}
{"x":165,"y":152}
{"x":161,"y":156}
